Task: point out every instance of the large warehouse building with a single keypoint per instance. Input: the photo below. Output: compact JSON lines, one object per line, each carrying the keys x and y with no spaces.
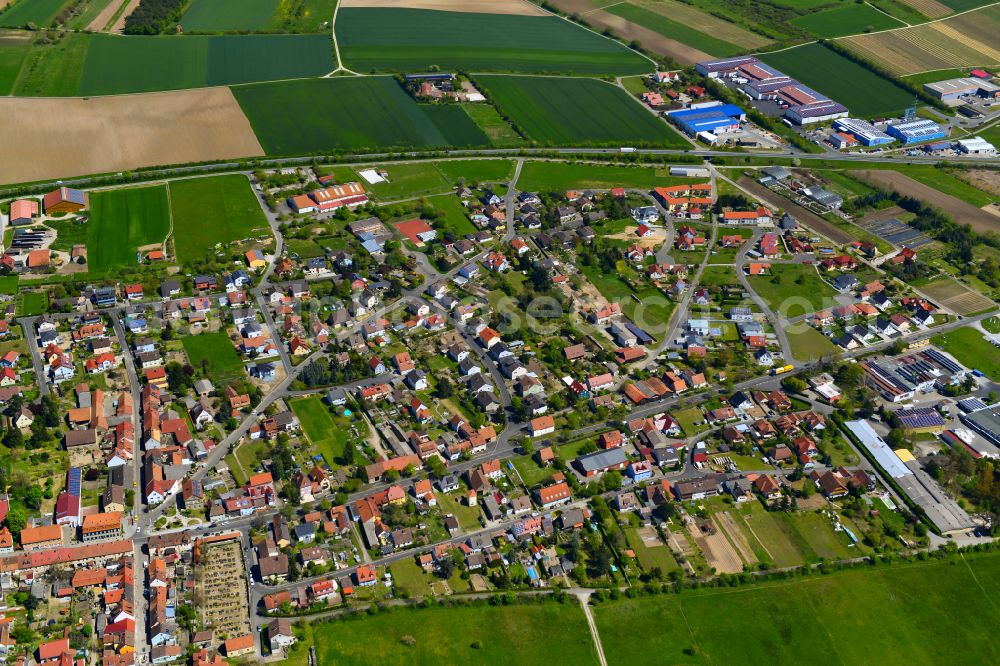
{"x":761,"y":82}
{"x":917,"y":131}
{"x":863,"y":131}
{"x":713,"y":119}
{"x":952,"y":90}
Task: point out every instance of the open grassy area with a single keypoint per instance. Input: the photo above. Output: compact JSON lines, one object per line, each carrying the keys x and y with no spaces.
{"x":476,"y":171}
{"x":911,"y":613}
{"x":116,"y":64}
{"x":409,"y":180}
{"x":8,"y":284}
{"x":793,"y":289}
{"x":557,"y":176}
{"x":971,"y":349}
{"x":14,"y":48}
{"x":293,"y":117}
{"x":54,"y":70}
{"x":320,"y":428}
{"x":123,"y":220}
{"x":519,"y":634}
{"x":467,"y":516}
{"x":39,"y":13}
{"x":488,"y":119}
{"x":408,"y":40}
{"x":228,"y":15}
{"x":865,"y":93}
{"x":235,"y":213}
{"x":572,"y":111}
{"x":215,"y":355}
{"x":846,"y":20}
{"x":809,"y":344}
{"x":455,"y":218}
{"x":531,"y":472}
{"x":30,"y":303}
{"x":657,"y":555}
{"x":690,"y":420}
{"x":409,"y":578}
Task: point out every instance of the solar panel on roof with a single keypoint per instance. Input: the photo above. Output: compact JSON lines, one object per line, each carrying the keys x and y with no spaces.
{"x":74,"y":481}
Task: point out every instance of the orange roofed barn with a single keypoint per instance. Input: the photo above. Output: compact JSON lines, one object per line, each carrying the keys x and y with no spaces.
{"x":64,"y":200}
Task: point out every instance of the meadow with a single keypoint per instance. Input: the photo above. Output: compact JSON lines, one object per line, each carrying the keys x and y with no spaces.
{"x":682,"y":32}
{"x":971,"y":349}
{"x":793,"y":289}
{"x":13,"y":50}
{"x":216,"y":209}
{"x":455,"y":217}
{"x":489,"y":120}
{"x":38,"y":13}
{"x":122,"y":221}
{"x":228,"y":15}
{"x":54,"y":70}
{"x":846,"y":20}
{"x":862,"y":91}
{"x":555,"y":176}
{"x":295,"y":117}
{"x":920,"y":612}
{"x":576,"y":112}
{"x":391,"y":39}
{"x":320,"y":428}
{"x":479,"y":634}
{"x":476,"y":171}
{"x":809,"y":344}
{"x":117,"y":64}
{"x":303,"y":16}
{"x":215,"y":355}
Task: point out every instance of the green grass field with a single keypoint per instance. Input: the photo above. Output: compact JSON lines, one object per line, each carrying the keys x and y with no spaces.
{"x":576,"y":112}
{"x":793,"y":289}
{"x":557,"y":176}
{"x":122,"y":221}
{"x":14,"y":48}
{"x":409,"y":180}
{"x":991,"y":324}
{"x":54,"y":70}
{"x":37,"y":13}
{"x":411,"y":40}
{"x":31,"y":303}
{"x":865,"y":93}
{"x":809,"y":344}
{"x":319,"y":426}
{"x":215,"y":354}
{"x":116,"y":64}
{"x":455,"y":217}
{"x":476,"y":171}
{"x":228,"y":15}
{"x":349,"y":114}
{"x":303,"y":16}
{"x":489,"y":120}
{"x":518,"y":634}
{"x":8,"y":284}
{"x":925,"y":612}
{"x":846,"y":20}
{"x":972,"y":350}
{"x":678,"y":30}
{"x":235,"y":213}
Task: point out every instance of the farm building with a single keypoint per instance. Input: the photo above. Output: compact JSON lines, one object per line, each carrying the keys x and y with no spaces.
{"x":977,"y":145}
{"x":23,"y":211}
{"x":302,"y":203}
{"x":64,"y":200}
{"x":715,"y":68}
{"x":332,"y":198}
{"x":951,"y":91}
{"x":916,"y":131}
{"x":713,"y":119}
{"x":863,"y":131}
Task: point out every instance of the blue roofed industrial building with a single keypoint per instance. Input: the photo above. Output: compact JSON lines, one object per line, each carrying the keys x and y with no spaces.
{"x":862,"y":130}
{"x":712,"y":119}
{"x":917,"y":131}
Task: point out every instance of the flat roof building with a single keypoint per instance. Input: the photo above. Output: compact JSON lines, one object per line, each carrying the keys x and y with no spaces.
{"x":916,"y":131}
{"x":724,"y":117}
{"x":863,"y":131}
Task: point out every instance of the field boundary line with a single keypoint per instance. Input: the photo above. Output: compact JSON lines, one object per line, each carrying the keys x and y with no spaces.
{"x":602,"y":36}
{"x":908,"y":25}
{"x":979,"y":584}
{"x":170,"y":216}
{"x":920,"y":25}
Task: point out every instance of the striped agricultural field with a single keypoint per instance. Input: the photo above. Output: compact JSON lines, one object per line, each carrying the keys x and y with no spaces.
{"x":705,"y":22}
{"x":929,"y":8}
{"x":967,"y":40}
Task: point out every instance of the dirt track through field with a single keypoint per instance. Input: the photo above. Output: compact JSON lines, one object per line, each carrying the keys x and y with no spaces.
{"x":119,"y":25}
{"x":521,"y":7}
{"x":46,"y":138}
{"x":962,"y":212}
{"x":654,"y":41}
{"x":806,"y":217}
{"x":105,"y":15}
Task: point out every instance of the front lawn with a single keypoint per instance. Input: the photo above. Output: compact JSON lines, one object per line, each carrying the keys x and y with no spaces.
{"x":972,"y":350}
